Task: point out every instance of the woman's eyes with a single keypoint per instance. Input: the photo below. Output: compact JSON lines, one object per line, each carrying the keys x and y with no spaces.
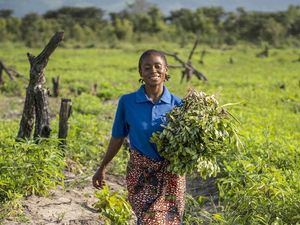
{"x":156,"y":66}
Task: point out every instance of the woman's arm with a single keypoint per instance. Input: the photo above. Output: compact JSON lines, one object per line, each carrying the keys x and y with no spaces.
{"x":113,"y":148}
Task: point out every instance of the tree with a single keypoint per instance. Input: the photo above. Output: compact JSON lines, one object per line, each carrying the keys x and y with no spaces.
{"x":183,"y":18}
{"x":292,"y":20}
{"x":77,"y":33}
{"x":13,"y":27}
{"x":3,"y":32}
{"x":35,"y":30}
{"x":272,"y":32}
{"x":76,"y":13}
{"x":157,"y":19}
{"x":6,"y":13}
{"x":122,"y":28}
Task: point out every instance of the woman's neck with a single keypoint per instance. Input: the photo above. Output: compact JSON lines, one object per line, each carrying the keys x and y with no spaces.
{"x":154,"y":92}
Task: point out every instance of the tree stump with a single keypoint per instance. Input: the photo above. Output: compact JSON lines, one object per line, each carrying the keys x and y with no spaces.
{"x":36,"y":100}
{"x":64,"y":114}
{"x":264,"y":53}
{"x":1,"y":77}
{"x":94,"y":89}
{"x":55,"y":82}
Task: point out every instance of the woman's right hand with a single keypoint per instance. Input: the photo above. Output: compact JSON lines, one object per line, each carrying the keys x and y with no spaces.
{"x":113,"y":148}
{"x":98,"y":178}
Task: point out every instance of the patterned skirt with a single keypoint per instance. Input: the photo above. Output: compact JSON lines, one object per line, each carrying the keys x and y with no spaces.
{"x":156,"y":196}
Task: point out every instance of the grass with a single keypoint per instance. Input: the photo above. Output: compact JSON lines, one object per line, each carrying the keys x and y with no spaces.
{"x":265,"y":172}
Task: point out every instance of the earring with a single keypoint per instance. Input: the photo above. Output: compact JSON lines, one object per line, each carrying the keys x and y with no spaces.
{"x":167,"y":77}
{"x":141,"y":80}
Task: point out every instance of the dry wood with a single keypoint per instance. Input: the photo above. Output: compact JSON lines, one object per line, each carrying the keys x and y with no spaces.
{"x":42,"y":117}
{"x":36,"y":101}
{"x":203,"y":53}
{"x":94,"y":89}
{"x":11,"y":73}
{"x":188,"y":69}
{"x":64,"y":114}
{"x":55,"y":82}
{"x":1,"y":77}
{"x":264,"y":53}
{"x":4,"y":68}
{"x":193,"y":50}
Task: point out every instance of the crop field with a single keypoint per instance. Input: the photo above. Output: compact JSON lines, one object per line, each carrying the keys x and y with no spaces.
{"x":260,"y":180}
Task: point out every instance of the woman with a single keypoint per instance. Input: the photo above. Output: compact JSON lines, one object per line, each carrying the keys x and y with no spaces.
{"x":156,"y":196}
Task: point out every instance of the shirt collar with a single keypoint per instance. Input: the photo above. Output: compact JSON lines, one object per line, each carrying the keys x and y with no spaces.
{"x":142,"y":97}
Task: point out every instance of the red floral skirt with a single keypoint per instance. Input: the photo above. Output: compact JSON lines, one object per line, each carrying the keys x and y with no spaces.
{"x":156,"y":196}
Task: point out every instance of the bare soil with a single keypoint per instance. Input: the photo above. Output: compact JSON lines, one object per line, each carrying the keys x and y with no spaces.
{"x":66,"y":206}
{"x":73,"y":205}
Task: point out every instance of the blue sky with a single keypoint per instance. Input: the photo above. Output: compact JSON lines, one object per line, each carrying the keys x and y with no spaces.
{"x":22,"y":7}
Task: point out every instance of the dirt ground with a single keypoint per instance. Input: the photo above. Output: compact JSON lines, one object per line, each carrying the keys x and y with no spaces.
{"x":69,"y":206}
{"x":74,"y":204}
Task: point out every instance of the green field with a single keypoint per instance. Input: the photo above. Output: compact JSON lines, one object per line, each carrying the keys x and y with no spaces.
{"x":259,"y":183}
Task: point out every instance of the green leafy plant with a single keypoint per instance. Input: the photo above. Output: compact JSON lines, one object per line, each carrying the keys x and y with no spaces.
{"x":12,"y":88}
{"x":28,"y":168}
{"x":261,"y":187}
{"x":195,"y":134}
{"x":113,"y":207}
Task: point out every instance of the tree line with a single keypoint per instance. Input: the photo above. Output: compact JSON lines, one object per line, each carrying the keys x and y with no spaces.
{"x":146,"y":22}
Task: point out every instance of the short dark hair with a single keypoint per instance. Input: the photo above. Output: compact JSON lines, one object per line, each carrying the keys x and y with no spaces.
{"x":152,"y":52}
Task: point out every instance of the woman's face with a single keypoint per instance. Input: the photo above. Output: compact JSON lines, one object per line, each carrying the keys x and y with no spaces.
{"x":153,"y":70}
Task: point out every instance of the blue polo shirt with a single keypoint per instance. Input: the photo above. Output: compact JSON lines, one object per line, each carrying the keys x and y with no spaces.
{"x":138,"y":117}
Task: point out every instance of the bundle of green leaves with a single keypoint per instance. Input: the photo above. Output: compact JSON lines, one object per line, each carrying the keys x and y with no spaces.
{"x":195,"y":134}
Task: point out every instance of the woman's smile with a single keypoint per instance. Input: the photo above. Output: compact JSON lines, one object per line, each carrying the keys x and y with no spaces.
{"x":153,"y":70}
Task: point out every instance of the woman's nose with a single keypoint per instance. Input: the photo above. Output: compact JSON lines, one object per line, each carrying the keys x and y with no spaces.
{"x":153,"y":68}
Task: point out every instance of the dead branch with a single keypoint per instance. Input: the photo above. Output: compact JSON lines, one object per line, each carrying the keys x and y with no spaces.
{"x":55,"y":83}
{"x":188,"y":69}
{"x":264,"y":53}
{"x":203,"y":53}
{"x":174,"y":66}
{"x":1,"y":76}
{"x":193,"y":49}
{"x":3,"y":67}
{"x":64,"y":114}
{"x":36,"y":100}
{"x":94,"y":89}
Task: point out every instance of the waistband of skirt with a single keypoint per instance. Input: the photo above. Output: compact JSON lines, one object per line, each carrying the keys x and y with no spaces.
{"x":140,"y":160}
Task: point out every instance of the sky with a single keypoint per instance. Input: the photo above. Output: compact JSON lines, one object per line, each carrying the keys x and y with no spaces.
{"x":22,"y":7}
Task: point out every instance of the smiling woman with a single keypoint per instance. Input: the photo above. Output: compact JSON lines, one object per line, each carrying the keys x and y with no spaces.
{"x":156,"y":196}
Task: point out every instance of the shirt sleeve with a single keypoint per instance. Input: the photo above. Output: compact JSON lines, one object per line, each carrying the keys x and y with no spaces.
{"x":120,"y":126}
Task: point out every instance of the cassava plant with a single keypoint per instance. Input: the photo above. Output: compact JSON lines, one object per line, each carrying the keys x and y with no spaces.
{"x":113,"y":207}
{"x":195,"y":134}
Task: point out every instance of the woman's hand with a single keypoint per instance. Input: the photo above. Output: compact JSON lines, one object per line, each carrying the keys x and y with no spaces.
{"x":113,"y":148}
{"x":98,"y":178}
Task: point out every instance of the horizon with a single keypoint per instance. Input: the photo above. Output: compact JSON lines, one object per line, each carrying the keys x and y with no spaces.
{"x":22,"y":8}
